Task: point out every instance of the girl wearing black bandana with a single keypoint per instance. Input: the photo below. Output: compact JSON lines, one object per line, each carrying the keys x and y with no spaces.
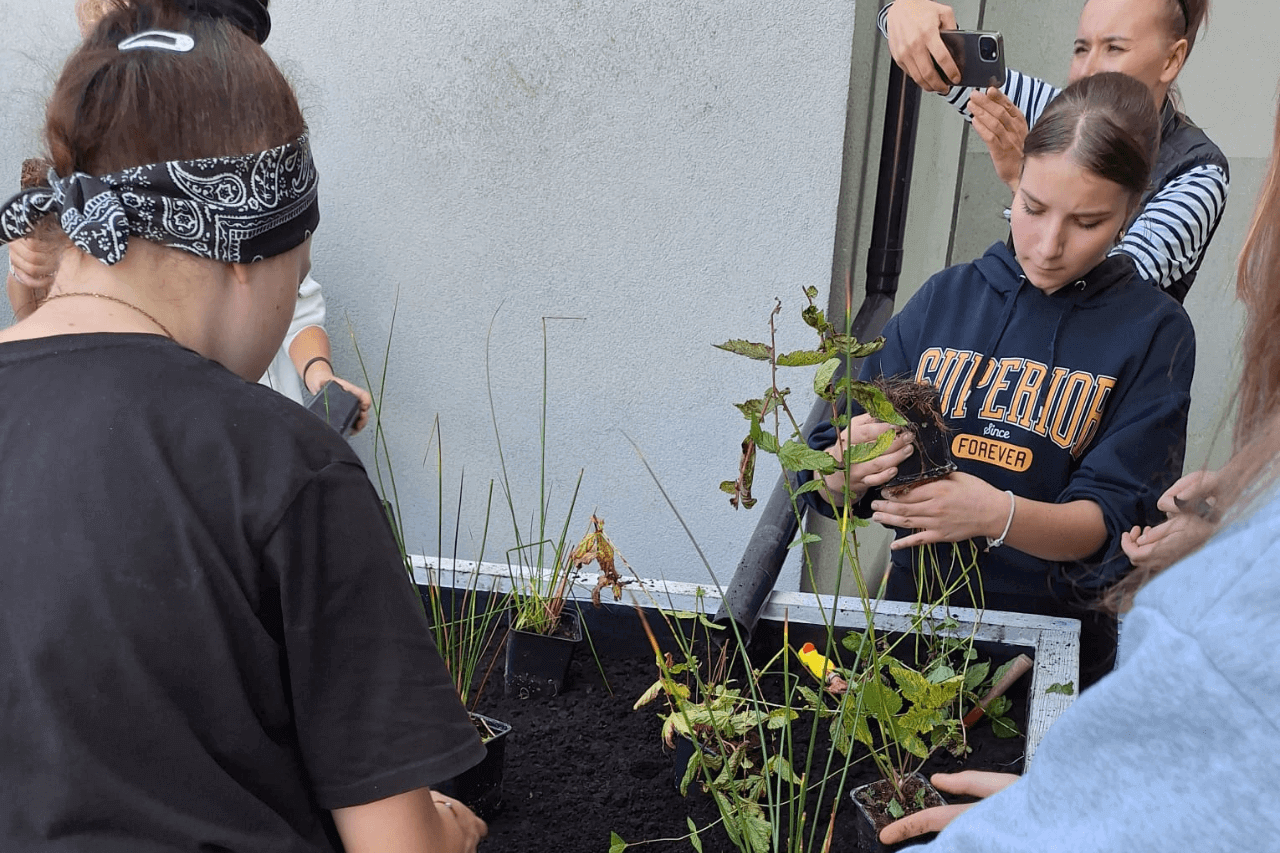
{"x":207,"y":641}
{"x":303,"y":362}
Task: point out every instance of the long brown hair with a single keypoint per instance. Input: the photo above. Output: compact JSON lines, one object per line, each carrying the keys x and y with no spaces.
{"x":111,"y":110}
{"x":1256,"y":437}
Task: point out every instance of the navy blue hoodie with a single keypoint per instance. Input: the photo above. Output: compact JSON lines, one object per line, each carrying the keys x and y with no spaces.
{"x":1083,"y":394}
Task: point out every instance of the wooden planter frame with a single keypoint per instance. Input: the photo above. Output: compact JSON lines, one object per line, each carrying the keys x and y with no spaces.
{"x":1054,"y":642}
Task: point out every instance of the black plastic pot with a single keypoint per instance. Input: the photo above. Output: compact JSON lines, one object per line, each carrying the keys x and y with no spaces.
{"x":869,"y":833}
{"x":538,"y":663}
{"x":680,"y":758}
{"x":480,"y":787}
{"x":931,"y":459}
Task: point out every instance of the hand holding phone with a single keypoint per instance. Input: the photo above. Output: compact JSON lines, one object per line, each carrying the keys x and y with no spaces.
{"x":978,"y":55}
{"x":337,"y":406}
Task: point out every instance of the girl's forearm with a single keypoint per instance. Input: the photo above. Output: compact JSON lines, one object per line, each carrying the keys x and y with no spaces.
{"x":312,"y":342}
{"x":1050,"y":531}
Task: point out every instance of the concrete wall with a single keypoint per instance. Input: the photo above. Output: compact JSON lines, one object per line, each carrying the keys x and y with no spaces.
{"x":662,"y":170}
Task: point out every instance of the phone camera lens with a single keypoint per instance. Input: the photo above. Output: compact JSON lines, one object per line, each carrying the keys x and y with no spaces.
{"x":988,"y":49}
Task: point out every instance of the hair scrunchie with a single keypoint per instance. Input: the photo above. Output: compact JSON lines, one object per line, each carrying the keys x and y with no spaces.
{"x":251,"y":16}
{"x":232,"y":209}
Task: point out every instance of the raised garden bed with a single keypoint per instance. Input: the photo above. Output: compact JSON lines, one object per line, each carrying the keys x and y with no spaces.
{"x":584,"y":764}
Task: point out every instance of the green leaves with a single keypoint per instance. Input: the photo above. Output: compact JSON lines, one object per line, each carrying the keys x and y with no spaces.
{"x":655,"y":690}
{"x":766,"y":441}
{"x":808,"y":486}
{"x":861,"y":644}
{"x":868,"y":450}
{"x":847,"y":346}
{"x":1066,"y":688}
{"x":694,"y":838}
{"x":1003,"y":727}
{"x":616,"y":844}
{"x":880,"y":701}
{"x":873,"y":402}
{"x":975,"y":675}
{"x":796,"y":456}
{"x":763,"y":352}
{"x":895,"y":809}
{"x":759,"y":352}
{"x":920,"y":691}
{"x":755,"y":830}
{"x":816,"y":320}
{"x":999,"y":706}
{"x":822,"y":379}
{"x":802,"y":358}
{"x":804,"y":539}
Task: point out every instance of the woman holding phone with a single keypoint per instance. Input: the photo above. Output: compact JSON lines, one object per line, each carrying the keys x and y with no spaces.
{"x":1064,"y":381}
{"x":1149,"y":40}
{"x":303,"y":361}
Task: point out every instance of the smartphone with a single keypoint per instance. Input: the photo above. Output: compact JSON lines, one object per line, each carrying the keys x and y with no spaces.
{"x":336,"y":406}
{"x":978,"y":55}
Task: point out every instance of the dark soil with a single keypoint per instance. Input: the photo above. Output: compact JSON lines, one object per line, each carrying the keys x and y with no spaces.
{"x":875,"y":799}
{"x":919,"y":403}
{"x":583,"y":764}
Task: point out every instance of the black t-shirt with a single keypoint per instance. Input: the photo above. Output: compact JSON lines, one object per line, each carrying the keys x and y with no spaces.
{"x":207,"y":638}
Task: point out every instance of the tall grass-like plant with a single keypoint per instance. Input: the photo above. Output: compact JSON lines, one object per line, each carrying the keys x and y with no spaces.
{"x":466,"y":621}
{"x":542,"y":571}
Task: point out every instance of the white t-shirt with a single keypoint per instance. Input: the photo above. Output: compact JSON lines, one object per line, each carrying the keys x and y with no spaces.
{"x":282,"y":375}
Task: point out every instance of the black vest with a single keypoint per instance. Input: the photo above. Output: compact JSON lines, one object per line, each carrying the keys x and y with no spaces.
{"x":1183,"y":146}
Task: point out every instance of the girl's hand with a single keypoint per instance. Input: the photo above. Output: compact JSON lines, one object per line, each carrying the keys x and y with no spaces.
{"x":1003,"y":128}
{"x":864,"y":475}
{"x":969,"y":783}
{"x":457,"y":816}
{"x":1189,"y":505}
{"x":1194,"y":491}
{"x":1157,"y":548}
{"x":33,"y":260}
{"x":957,"y":507}
{"x":366,"y":401}
{"x":915,"y":44}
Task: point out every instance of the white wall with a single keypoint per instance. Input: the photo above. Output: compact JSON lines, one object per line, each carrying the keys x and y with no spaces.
{"x":661,"y":169}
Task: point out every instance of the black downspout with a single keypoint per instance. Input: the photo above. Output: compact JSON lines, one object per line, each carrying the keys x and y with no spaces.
{"x":762,"y":561}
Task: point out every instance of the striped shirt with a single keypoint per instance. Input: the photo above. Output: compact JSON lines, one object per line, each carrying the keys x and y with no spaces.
{"x":1169,"y":236}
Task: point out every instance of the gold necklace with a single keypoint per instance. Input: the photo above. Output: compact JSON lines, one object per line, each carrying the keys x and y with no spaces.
{"x":168,"y":334}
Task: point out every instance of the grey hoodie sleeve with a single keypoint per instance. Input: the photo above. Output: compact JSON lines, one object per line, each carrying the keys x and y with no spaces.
{"x":1177,"y":749}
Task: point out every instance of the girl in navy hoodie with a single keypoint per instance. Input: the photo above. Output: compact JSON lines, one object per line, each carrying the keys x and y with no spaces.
{"x":1064,"y":381}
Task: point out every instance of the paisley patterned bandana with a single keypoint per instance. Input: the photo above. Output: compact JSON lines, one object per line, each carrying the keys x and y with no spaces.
{"x":233,"y":209}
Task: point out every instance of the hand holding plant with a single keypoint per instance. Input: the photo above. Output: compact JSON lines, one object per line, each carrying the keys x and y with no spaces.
{"x":833,"y":352}
{"x":967,"y":783}
{"x":957,"y":507}
{"x":854,"y":480}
